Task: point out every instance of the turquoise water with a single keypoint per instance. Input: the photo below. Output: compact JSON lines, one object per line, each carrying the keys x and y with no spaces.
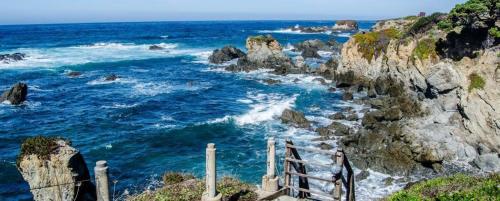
{"x":166,"y":105}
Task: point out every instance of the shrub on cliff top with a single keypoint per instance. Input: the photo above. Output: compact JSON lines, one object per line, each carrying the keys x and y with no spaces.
{"x":456,"y":187}
{"x":230,"y":188}
{"x":170,"y":178}
{"x":475,"y":13}
{"x":426,"y":48}
{"x":424,"y":24}
{"x":373,"y":44}
{"x":261,"y":39}
{"x":40,"y":145}
{"x":476,"y":82}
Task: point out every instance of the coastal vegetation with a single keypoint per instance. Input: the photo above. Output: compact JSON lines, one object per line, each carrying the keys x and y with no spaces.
{"x":424,"y":24}
{"x":373,"y":44}
{"x":426,"y":48}
{"x":456,"y":187}
{"x":184,"y":187}
{"x":476,"y":82}
{"x":40,"y":146}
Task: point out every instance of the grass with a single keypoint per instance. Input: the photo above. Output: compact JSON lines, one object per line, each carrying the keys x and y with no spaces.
{"x":457,"y":187}
{"x":262,"y":39}
{"x":230,"y":188}
{"x":373,"y":44}
{"x":426,"y":48}
{"x":40,"y":145}
{"x":476,"y":82}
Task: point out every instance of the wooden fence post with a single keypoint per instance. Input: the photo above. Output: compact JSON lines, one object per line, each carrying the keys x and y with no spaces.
{"x":210,"y":193}
{"x":102,"y":181}
{"x":337,"y":193}
{"x":270,"y":180}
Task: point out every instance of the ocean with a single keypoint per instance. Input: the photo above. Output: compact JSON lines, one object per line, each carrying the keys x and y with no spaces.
{"x":166,"y":104}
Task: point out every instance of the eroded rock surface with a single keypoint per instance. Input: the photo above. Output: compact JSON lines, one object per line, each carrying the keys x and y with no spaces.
{"x":16,"y":95}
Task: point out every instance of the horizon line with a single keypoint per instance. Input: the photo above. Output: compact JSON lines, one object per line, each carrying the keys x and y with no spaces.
{"x":147,"y":21}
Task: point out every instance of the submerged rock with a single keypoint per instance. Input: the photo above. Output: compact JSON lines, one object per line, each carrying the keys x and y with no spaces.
{"x":225,"y":54}
{"x":111,"y":77}
{"x":74,"y":74}
{"x":271,"y":81}
{"x":7,"y":58}
{"x":46,"y":163}
{"x":16,"y":95}
{"x":155,"y":47}
{"x":295,"y":118}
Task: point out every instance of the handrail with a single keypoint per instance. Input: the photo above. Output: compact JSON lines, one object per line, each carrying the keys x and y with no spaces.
{"x":293,"y":159}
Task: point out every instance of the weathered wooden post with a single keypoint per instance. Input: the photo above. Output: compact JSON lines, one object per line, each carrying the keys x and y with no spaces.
{"x":270,"y":180}
{"x":210,"y":193}
{"x":337,"y":193}
{"x":101,"y":180}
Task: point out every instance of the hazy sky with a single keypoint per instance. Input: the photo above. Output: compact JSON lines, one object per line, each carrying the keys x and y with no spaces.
{"x":65,"y":11}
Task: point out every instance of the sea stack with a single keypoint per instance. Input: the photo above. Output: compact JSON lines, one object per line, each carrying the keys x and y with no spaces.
{"x":54,"y":170}
{"x":16,"y":95}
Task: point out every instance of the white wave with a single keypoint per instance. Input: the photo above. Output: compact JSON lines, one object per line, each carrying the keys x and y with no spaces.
{"x":37,"y":88}
{"x":164,"y":36}
{"x":120,"y":80}
{"x":152,"y":89}
{"x":98,"y":52}
{"x":345,"y":34}
{"x":267,"y":108}
{"x":119,"y":106}
{"x":201,"y":57}
{"x":290,"y":31}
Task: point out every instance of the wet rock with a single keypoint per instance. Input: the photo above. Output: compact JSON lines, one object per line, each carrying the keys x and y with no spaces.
{"x":45,"y":162}
{"x":352,"y":117}
{"x":16,"y":95}
{"x":345,"y":80}
{"x":337,"y":116}
{"x":332,"y":89}
{"x":345,"y":25}
{"x":362,"y":175}
{"x":340,"y":129}
{"x":325,"y":132}
{"x":310,"y":53}
{"x":388,"y":181}
{"x":8,"y":58}
{"x":295,"y":118}
{"x":325,"y":146}
{"x":381,"y":86}
{"x":155,"y":47}
{"x":372,"y":93}
{"x":347,"y":96}
{"x":74,"y":74}
{"x":377,"y":103}
{"x":320,"y":80}
{"x":271,"y":81}
{"x":225,"y":54}
{"x":111,"y":77}
{"x":392,"y":114}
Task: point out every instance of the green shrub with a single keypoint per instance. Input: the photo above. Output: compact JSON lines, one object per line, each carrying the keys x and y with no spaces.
{"x":426,"y":48}
{"x":40,"y":146}
{"x":410,"y":17}
{"x":474,"y":12}
{"x":445,"y":25}
{"x":424,"y":24}
{"x":476,"y":82}
{"x":170,"y":178}
{"x":230,"y":188}
{"x":262,"y":39}
{"x":495,"y":32}
{"x":373,"y":44}
{"x":456,"y":187}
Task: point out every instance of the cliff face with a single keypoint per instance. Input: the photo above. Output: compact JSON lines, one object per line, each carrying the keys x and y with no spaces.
{"x":460,"y":99}
{"x":55,"y":170}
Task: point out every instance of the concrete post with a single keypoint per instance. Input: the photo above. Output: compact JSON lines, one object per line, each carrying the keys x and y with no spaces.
{"x":210,"y":193}
{"x":101,"y":180}
{"x":270,"y":181}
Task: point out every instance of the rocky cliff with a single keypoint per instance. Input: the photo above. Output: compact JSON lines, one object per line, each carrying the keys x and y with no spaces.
{"x":54,"y":170}
{"x":459,"y":99}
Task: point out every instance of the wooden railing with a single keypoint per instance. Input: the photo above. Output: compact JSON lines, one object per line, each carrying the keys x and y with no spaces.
{"x":293,"y":160}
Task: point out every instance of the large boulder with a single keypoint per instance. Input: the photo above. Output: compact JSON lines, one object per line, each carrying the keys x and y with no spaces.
{"x":225,"y":54}
{"x":266,"y":52}
{"x":16,"y":95}
{"x":295,"y":118}
{"x":7,"y":58}
{"x":46,"y":163}
{"x":443,"y":78}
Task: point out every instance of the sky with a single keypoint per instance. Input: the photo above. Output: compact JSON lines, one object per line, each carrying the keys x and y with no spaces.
{"x":71,"y":11}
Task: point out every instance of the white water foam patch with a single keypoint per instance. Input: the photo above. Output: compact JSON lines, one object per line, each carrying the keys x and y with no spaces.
{"x":267,"y":107}
{"x":98,"y":52}
{"x":290,"y":31}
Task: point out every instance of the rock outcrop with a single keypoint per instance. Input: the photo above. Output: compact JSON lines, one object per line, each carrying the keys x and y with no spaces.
{"x":155,"y":47}
{"x":225,"y":54}
{"x":457,"y":116}
{"x":8,"y":58}
{"x":54,"y":170}
{"x":16,"y":95}
{"x":295,"y":118}
{"x":345,"y":25}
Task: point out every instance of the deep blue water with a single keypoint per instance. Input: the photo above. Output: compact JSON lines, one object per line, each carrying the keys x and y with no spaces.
{"x":166,"y":106}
